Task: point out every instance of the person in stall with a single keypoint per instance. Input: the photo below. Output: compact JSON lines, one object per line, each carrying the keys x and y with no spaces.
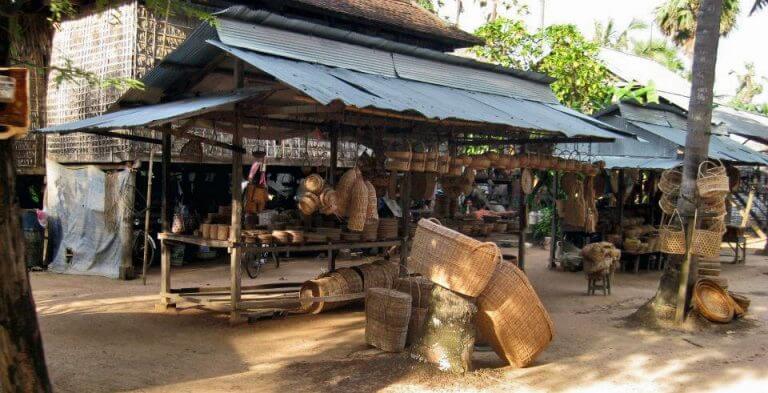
{"x":476,"y":203}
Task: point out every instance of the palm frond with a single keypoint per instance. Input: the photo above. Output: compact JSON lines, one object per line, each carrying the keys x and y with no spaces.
{"x":759,"y":4}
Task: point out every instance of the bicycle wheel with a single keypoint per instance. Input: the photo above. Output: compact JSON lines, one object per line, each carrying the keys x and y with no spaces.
{"x":138,"y":249}
{"x":251,"y":266}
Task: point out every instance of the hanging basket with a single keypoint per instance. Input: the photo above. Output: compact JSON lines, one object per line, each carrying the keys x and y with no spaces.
{"x":357,"y":206}
{"x":314,"y":183}
{"x":712,"y":181}
{"x":668,"y":203}
{"x":670,"y":181}
{"x":344,"y":188}
{"x":672,"y":237}
{"x":706,"y":241}
{"x":309,"y":203}
{"x":714,"y":206}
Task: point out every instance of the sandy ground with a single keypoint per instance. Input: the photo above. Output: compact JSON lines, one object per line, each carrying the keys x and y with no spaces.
{"x":102,"y":335}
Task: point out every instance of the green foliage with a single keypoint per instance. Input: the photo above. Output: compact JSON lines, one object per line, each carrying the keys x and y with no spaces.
{"x":660,"y":51}
{"x":427,"y":5}
{"x":640,"y":94}
{"x":543,"y":228}
{"x":61,"y":9}
{"x":607,"y":36}
{"x":677,"y":20}
{"x":749,"y":86}
{"x":560,"y":51}
{"x":756,"y":108}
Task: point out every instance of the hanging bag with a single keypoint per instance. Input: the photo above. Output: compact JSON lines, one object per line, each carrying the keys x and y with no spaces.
{"x":671,"y":236}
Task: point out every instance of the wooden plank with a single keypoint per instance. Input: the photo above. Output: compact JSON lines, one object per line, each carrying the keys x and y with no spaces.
{"x":145,"y":258}
{"x":190,"y":290}
{"x":405,"y":221}
{"x":196,"y":240}
{"x":747,"y":208}
{"x":319,"y":247}
{"x":165,"y":271}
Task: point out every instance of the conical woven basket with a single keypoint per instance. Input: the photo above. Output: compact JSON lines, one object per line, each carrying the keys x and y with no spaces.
{"x":387,"y":313}
{"x":372,"y":208}
{"x":344,"y":188}
{"x":357,"y":206}
{"x":512,"y":317}
{"x":452,"y":260}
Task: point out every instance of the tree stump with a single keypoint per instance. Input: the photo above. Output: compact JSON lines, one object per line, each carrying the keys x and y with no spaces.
{"x":448,"y":338}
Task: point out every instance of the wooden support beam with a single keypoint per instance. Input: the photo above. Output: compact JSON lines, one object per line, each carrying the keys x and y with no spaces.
{"x":130,"y":137}
{"x":405,"y":222}
{"x":555,"y":221}
{"x":299,"y":110}
{"x":165,"y":249}
{"x":236,"y":273}
{"x":529,"y":141}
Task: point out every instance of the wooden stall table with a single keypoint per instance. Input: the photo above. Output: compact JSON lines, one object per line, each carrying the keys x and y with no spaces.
{"x":634,"y":258}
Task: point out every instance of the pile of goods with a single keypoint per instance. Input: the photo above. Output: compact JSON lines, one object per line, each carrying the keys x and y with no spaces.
{"x":639,"y":238}
{"x":216,"y":225}
{"x":317,"y":196}
{"x":464,"y":289}
{"x":600,"y":258}
{"x":356,"y":199}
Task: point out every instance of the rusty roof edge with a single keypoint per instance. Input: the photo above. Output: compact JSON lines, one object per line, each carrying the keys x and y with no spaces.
{"x":245,"y":14}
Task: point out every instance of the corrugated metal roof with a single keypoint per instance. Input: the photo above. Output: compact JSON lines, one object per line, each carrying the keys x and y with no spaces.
{"x":152,"y":115}
{"x":746,"y":124}
{"x":720,"y":146}
{"x":624,"y":162}
{"x":333,"y":53}
{"x":327,"y":84}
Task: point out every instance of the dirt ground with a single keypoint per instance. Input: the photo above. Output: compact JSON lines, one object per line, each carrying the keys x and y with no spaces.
{"x":102,"y":335}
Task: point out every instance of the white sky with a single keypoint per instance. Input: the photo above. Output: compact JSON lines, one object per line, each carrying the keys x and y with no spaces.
{"x":748,"y":43}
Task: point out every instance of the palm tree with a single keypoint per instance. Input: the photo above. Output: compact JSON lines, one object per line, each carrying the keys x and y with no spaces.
{"x":677,"y":19}
{"x":607,"y":36}
{"x":759,"y":4}
{"x":660,"y":51}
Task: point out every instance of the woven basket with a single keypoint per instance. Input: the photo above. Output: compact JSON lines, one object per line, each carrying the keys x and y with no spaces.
{"x":282,"y":237}
{"x":370,"y":231}
{"x":706,"y":241}
{"x":387,"y":313}
{"x":372,"y":207}
{"x":357,"y":206}
{"x":416,"y":324}
{"x":672,"y":237}
{"x":712,"y":205}
{"x":512,"y":317}
{"x":387,"y":228}
{"x":344,"y":188}
{"x":374,"y":276}
{"x":741,"y":300}
{"x":668,"y":203}
{"x":418,"y":166}
{"x":329,"y":202}
{"x":205,"y":231}
{"x":222,"y":231}
{"x":330,"y":285}
{"x":314,"y":183}
{"x":309,"y":203}
{"x":452,"y":260}
{"x":399,"y":155}
{"x":712,"y":301}
{"x":514,"y":162}
{"x":670,"y":180}
{"x":712,"y":181}
{"x":418,"y":287}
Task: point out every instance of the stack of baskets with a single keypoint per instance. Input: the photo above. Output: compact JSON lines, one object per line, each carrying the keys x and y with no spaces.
{"x":419,"y":289}
{"x":309,"y":202}
{"x":510,"y":313}
{"x":370,"y":230}
{"x":399,"y":161}
{"x":387,"y":229}
{"x":712,"y":186}
{"x":672,"y":230}
{"x":716,"y":304}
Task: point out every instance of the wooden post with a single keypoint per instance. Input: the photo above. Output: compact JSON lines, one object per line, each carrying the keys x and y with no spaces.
{"x":334,"y":160}
{"x":522,"y":220}
{"x":555,"y":218}
{"x":405,"y":223}
{"x":147,"y":215}
{"x":236,"y":273}
{"x":126,"y":228}
{"x":165,"y":250}
{"x":620,"y":201}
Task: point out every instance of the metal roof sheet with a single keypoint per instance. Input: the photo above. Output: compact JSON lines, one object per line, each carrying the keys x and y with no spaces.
{"x":334,"y":53}
{"x":720,"y":146}
{"x":625,"y":162}
{"x":326,"y":84}
{"x":746,"y":124}
{"x":150,"y":115}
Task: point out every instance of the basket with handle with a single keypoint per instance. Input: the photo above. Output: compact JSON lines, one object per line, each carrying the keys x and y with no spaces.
{"x":712,"y":181}
{"x":452,"y":260}
{"x":672,"y":236}
{"x":706,"y":241}
{"x":670,"y":180}
{"x":512,"y":318}
{"x":668,"y":203}
{"x":712,"y":206}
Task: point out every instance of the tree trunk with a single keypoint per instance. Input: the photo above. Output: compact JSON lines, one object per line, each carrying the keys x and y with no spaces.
{"x":674,"y":287}
{"x":448,"y":338}
{"x":22,"y":362}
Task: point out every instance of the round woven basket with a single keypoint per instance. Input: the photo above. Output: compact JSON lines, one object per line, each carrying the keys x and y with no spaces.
{"x":309,"y":203}
{"x":314,"y":183}
{"x":741,"y":300}
{"x":672,"y":235}
{"x":343,"y":281}
{"x":391,"y":269}
{"x":205,"y":231}
{"x":418,"y":166}
{"x":344,"y":188}
{"x":387,"y":314}
{"x":399,"y":155}
{"x":712,"y":301}
{"x":328,"y":202}
{"x":512,"y":318}
{"x":281,"y":237}
{"x":452,"y":260}
{"x":670,"y":180}
{"x":480,"y":162}
{"x":222,"y":231}
{"x":668,"y":203}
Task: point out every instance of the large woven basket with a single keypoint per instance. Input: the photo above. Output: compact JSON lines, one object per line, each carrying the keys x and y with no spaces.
{"x":374,"y":276}
{"x":372,"y":208}
{"x":670,"y":181}
{"x":357,"y":206}
{"x":712,"y":181}
{"x":672,"y":235}
{"x":706,"y":241}
{"x":341,"y":282}
{"x":344,"y":188}
{"x":387,"y":313}
{"x":387,"y":228}
{"x":712,"y":301}
{"x":512,"y":317}
{"x":391,"y":269}
{"x":452,"y":260}
{"x":418,"y":287}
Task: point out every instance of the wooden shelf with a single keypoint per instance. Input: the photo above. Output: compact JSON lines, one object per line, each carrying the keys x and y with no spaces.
{"x":189,"y":239}
{"x":321,"y":247}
